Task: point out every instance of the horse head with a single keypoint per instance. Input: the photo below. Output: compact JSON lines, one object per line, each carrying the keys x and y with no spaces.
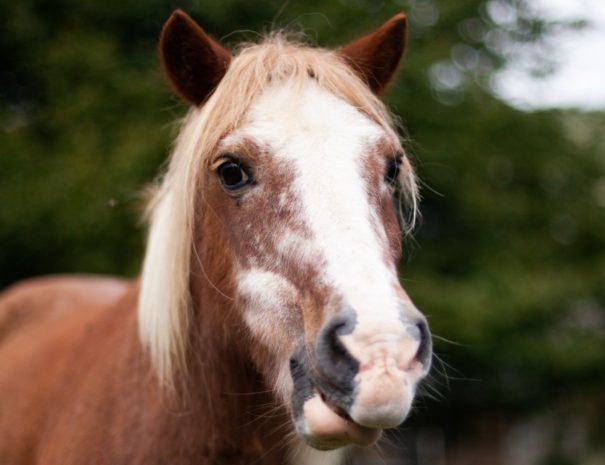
{"x":282,"y":192}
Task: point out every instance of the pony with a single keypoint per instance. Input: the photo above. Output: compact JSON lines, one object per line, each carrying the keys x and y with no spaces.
{"x":268,"y":325}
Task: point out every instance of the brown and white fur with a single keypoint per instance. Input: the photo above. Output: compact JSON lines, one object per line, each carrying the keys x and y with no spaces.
{"x":268,"y":315}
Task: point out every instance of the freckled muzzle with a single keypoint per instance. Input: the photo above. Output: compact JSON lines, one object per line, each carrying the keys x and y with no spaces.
{"x":359,"y":380}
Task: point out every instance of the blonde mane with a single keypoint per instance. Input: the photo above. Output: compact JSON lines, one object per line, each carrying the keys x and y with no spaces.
{"x":165,"y":302}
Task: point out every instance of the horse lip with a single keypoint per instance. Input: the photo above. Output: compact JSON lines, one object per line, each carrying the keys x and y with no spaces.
{"x":306,"y":394}
{"x":343,"y":413}
{"x":335,"y":408}
{"x":325,"y":427}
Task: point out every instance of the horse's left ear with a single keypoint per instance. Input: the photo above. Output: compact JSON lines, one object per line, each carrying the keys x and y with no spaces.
{"x":376,"y":56}
{"x":194,"y":63}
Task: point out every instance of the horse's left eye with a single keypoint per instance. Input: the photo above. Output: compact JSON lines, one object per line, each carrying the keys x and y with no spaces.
{"x":233,"y":175}
{"x":392,"y":173}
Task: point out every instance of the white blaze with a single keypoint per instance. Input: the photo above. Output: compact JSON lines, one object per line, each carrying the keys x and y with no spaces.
{"x":323,"y":140}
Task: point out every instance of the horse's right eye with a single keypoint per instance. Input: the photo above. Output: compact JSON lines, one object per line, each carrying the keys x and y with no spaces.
{"x":233,"y":175}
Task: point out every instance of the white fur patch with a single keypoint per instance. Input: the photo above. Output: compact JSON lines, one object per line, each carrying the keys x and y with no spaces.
{"x":268,"y":299}
{"x":323,"y":140}
{"x":293,"y":245}
{"x":270,"y":312}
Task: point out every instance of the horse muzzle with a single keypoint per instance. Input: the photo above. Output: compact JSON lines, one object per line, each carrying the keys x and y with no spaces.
{"x":359,"y":379}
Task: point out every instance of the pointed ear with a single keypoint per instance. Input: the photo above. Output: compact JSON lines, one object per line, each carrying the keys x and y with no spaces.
{"x":376,"y":56}
{"x":193,"y":62}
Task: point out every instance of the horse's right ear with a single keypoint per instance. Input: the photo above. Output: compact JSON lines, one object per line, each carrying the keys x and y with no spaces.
{"x":193,"y":62}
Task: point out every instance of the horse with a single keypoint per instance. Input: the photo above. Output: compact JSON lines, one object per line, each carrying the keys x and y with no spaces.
{"x":268,"y":324}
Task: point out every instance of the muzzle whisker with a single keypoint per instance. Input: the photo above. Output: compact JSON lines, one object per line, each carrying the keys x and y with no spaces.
{"x":448,"y":377}
{"x":395,"y":439}
{"x":274,"y":412}
{"x":279,"y":445}
{"x":442,"y":371}
{"x":379,"y":452}
{"x":251,"y":393}
{"x":449,"y":341}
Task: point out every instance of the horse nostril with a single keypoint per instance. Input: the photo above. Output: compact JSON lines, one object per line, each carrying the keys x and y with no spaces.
{"x":334,"y":360}
{"x":421,"y":332}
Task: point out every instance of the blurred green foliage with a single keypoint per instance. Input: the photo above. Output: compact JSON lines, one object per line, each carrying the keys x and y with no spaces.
{"x":508,"y":263}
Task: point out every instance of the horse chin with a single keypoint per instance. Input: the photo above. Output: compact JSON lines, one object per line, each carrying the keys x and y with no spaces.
{"x":325,"y":428}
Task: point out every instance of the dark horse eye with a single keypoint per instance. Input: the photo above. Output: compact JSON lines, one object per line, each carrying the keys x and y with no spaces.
{"x":233,"y":175}
{"x":392,"y":173}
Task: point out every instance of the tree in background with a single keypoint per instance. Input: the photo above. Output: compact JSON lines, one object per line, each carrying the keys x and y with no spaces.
{"x":509,"y":260}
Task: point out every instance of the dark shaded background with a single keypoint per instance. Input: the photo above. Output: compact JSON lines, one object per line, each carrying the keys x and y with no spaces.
{"x":508,"y":264}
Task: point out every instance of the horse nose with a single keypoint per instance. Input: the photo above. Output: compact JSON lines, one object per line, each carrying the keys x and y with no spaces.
{"x":368,"y":369}
{"x":336,"y":362}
